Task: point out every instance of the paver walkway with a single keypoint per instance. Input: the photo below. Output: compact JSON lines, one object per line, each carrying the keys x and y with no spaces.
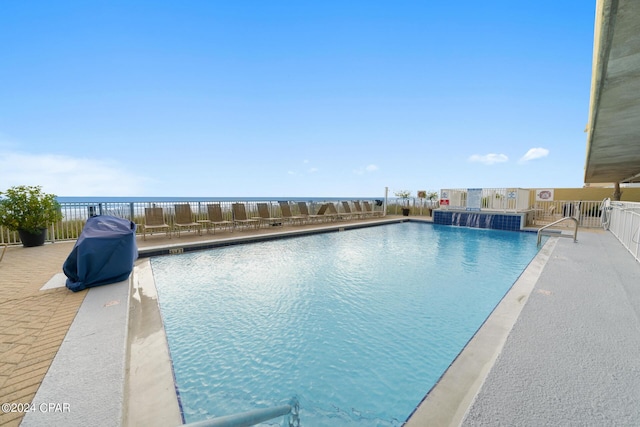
{"x":33,"y":323}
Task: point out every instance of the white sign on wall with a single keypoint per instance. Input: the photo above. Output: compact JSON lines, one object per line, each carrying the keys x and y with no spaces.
{"x":544,"y":195}
{"x":444,"y":198}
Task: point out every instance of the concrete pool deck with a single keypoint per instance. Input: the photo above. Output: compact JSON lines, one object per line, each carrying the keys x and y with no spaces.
{"x":571,"y":357}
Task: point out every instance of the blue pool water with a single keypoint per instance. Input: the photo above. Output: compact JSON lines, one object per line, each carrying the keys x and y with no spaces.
{"x":358,"y":325}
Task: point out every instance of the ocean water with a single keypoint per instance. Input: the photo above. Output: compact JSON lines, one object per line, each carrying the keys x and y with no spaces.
{"x":357,"y":325}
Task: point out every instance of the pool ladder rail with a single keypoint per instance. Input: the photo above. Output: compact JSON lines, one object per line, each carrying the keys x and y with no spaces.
{"x":557,"y":233}
{"x":256,"y":416}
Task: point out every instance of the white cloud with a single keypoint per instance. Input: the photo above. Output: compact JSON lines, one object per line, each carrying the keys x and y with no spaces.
{"x":368,"y":168}
{"x":488,"y":159}
{"x":313,"y":170}
{"x":68,"y":176}
{"x":291,"y":172}
{"x":534,"y":153}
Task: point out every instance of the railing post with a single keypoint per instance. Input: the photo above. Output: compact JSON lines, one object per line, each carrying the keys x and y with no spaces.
{"x":386,"y":196}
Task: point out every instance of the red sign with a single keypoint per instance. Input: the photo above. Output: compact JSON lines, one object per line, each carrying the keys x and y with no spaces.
{"x":444,"y":202}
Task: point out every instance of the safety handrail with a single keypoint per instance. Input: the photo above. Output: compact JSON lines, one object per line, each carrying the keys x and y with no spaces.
{"x":251,"y":418}
{"x":575,"y":232}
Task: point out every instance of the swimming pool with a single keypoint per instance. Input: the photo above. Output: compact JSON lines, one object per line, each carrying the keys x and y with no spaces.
{"x":357,"y":325}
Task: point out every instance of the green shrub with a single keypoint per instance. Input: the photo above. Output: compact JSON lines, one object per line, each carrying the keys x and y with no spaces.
{"x":27,"y":208}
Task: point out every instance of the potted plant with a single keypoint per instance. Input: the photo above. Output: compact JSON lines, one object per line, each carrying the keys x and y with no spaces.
{"x":29,"y":211}
{"x":404,"y":195}
{"x":432,"y":197}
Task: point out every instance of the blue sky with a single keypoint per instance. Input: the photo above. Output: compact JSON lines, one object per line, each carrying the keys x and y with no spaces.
{"x":292,"y":98}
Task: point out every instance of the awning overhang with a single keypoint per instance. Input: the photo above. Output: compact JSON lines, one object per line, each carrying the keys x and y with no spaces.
{"x":613,"y":131}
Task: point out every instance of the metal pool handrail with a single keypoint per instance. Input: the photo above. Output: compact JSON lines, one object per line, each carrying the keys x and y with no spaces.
{"x":575,"y":231}
{"x":251,"y":418}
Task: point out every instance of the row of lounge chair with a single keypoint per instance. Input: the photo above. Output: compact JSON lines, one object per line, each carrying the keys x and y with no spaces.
{"x":184,"y":218}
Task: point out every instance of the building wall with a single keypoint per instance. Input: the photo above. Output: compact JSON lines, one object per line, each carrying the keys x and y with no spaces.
{"x":591,"y":193}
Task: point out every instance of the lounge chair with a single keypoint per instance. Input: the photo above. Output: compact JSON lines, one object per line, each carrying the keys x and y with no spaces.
{"x":359,"y":211}
{"x":347,"y":211}
{"x":332,"y":213}
{"x":215,"y":219}
{"x":357,"y":208}
{"x":287,"y":215}
{"x":154,"y":220}
{"x":184,"y":219}
{"x":304,"y":211}
{"x":240,"y":216}
{"x":303,"y":208}
{"x":265,"y":217}
{"x":369,"y":209}
{"x":321,"y":215}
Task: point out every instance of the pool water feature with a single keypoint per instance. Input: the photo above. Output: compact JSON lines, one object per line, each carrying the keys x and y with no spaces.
{"x":357,"y":325}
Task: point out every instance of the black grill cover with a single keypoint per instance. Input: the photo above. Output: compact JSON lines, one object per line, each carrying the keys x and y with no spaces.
{"x":103,"y":254}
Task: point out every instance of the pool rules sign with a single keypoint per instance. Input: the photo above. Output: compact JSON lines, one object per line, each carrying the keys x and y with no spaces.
{"x":474,"y":199}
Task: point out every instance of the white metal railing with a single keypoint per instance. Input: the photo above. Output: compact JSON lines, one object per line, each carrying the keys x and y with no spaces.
{"x":486,"y":199}
{"x":587,"y":212}
{"x":623,"y":219}
{"x":75,"y":214}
